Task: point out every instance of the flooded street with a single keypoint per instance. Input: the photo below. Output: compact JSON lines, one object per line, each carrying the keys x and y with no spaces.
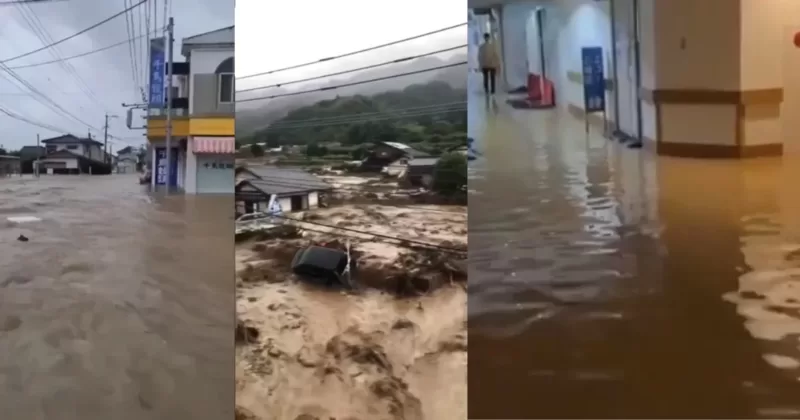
{"x":605,"y":282}
{"x":120,"y":305}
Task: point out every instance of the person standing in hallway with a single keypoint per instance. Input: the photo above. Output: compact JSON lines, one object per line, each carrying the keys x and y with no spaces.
{"x":489,"y":60}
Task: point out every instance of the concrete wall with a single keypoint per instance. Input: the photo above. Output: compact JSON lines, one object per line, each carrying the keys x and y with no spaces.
{"x":204,"y":82}
{"x":570,"y":25}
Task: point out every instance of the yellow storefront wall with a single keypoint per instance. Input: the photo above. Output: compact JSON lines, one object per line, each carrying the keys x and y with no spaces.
{"x":184,"y":127}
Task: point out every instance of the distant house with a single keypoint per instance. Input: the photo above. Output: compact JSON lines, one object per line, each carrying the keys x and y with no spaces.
{"x":9,"y":165}
{"x":69,"y":154}
{"x":127,"y":160}
{"x":390,"y":154}
{"x":293,"y":189}
{"x":420,"y":171}
{"x":27,"y":155}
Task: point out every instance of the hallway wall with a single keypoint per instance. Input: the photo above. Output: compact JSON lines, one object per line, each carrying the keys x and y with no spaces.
{"x":569,"y":26}
{"x":515,"y":42}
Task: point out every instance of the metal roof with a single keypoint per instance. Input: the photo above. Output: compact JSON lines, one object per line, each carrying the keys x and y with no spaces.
{"x":70,"y":139}
{"x":281,"y":181}
{"x":220,"y":36}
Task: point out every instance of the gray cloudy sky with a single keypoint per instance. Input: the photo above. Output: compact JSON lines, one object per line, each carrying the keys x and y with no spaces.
{"x":104,"y":79}
{"x":307,"y":30}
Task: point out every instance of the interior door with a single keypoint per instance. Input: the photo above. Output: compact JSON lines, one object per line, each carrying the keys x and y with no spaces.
{"x":627,"y":85}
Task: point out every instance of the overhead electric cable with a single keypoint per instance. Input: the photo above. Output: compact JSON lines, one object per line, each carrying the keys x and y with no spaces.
{"x":377,"y":79}
{"x":84,"y":54}
{"x":339,"y":73}
{"x":321,"y":60}
{"x":106,"y":20}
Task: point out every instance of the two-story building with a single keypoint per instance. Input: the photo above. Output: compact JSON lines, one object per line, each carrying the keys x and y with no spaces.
{"x":203,"y":118}
{"x":69,"y":154}
{"x":127,"y":160}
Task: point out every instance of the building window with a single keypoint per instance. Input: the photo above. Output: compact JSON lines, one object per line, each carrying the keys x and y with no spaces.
{"x":72,"y":146}
{"x":226,"y":89}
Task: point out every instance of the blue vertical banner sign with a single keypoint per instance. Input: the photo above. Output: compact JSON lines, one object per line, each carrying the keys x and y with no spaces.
{"x":594,"y":80}
{"x":161,"y":167}
{"x":157,"y":74}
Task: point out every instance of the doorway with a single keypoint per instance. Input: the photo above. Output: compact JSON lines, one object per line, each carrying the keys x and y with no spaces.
{"x":534,"y":36}
{"x":297,"y":202}
{"x":625,"y":26}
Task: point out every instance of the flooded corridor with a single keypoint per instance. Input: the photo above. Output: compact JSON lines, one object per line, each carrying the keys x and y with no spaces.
{"x":606,"y":282}
{"x":120,"y":305}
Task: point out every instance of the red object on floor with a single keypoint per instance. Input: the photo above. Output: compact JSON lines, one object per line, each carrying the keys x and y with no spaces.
{"x":540,"y":90}
{"x":534,"y":87}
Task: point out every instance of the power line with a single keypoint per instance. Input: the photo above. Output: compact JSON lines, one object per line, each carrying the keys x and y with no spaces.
{"x":321,"y":60}
{"x":72,"y":57}
{"x":374,"y":66}
{"x":29,"y":121}
{"x":377,"y":79}
{"x":42,"y":33}
{"x":132,"y":56}
{"x":106,"y":20}
{"x":379,"y":235}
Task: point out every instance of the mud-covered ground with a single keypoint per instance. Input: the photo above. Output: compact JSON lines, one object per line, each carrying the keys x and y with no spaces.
{"x":393,"y":348}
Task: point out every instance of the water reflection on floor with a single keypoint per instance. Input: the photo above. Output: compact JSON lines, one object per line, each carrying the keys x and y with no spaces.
{"x":120,"y":305}
{"x":608,"y":283}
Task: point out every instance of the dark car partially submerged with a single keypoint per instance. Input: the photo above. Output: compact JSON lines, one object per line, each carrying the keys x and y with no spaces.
{"x":321,"y":265}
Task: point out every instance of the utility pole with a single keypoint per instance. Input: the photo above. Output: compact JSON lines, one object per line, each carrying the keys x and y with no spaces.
{"x":38,"y":156}
{"x":170,"y":41}
{"x":105,"y":140}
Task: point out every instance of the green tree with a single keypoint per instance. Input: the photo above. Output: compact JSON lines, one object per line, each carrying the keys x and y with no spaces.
{"x":450,"y":174}
{"x":256,"y":150}
{"x":313,"y":150}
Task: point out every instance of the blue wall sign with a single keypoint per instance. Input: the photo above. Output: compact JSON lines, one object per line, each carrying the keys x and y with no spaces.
{"x":161,"y":167}
{"x":594,"y":80}
{"x":157,"y":74}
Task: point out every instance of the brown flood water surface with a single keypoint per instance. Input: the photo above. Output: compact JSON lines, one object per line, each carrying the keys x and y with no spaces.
{"x":606,"y":282}
{"x":120,"y":306}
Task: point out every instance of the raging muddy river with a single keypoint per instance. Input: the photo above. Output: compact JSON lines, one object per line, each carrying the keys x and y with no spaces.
{"x":119,"y":306}
{"x":608,"y":283}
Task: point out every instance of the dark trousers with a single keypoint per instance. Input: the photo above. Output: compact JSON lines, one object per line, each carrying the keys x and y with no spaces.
{"x":488,"y":78}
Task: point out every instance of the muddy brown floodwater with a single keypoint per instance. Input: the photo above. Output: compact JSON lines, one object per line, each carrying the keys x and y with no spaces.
{"x":120,"y":305}
{"x":606,"y":282}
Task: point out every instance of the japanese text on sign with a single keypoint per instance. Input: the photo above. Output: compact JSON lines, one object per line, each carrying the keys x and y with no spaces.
{"x":594,"y":86}
{"x":157,"y":73}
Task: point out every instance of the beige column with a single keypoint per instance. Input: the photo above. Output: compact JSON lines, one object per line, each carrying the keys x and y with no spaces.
{"x":716,"y":85}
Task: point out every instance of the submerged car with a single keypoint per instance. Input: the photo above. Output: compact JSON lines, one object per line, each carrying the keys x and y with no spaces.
{"x":323,"y":266}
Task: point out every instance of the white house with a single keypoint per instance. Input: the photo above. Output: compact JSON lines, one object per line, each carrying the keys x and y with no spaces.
{"x":69,"y":154}
{"x":257,"y":188}
{"x":127,"y":159}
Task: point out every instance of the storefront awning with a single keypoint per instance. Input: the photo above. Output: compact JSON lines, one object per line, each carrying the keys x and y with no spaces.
{"x":214,"y":145}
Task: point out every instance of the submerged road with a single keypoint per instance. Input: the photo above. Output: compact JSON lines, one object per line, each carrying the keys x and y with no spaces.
{"x":120,"y":306}
{"x":611,"y":283}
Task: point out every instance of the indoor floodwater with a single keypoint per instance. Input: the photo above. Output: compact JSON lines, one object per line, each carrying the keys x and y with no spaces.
{"x":606,"y":282}
{"x":119,"y":306}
